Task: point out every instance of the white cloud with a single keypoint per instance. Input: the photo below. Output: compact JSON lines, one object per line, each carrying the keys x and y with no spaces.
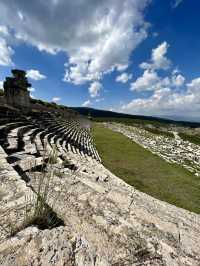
{"x":171,"y":95}
{"x":99,"y":100}
{"x":94,"y":89}
{"x":5,"y":53}
{"x":56,"y":99}
{"x":169,"y":102}
{"x":35,"y":74}
{"x":178,"y":80}
{"x":19,"y":13}
{"x":4,"y":30}
{"x":124,"y":77}
{"x":176,"y":3}
{"x":175,"y":71}
{"x":32,"y":96}
{"x":31,"y":89}
{"x":97,"y":36}
{"x":158,"y":58}
{"x":194,"y":86}
{"x":86,"y":103}
{"x":121,"y":67}
{"x":148,"y":81}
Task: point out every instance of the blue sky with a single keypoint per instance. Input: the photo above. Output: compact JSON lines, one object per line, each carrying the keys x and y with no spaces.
{"x":132,"y":56}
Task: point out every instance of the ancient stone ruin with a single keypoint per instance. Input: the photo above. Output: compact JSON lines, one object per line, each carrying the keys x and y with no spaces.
{"x":98,"y":219}
{"x":16,"y":89}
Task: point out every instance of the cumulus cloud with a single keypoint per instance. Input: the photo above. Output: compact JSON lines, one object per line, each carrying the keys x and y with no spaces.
{"x":6,"y":53}
{"x":170,"y":95}
{"x":178,"y":80}
{"x":168,"y":102}
{"x":194,"y":86}
{"x":94,"y":89}
{"x":4,"y":30}
{"x":35,"y":74}
{"x":158,"y":58}
{"x":86,"y":103}
{"x":151,"y":81}
{"x":56,"y":99}
{"x":97,"y":36}
{"x":124,"y":77}
{"x":148,"y":81}
{"x":121,"y":67}
{"x":31,"y":89}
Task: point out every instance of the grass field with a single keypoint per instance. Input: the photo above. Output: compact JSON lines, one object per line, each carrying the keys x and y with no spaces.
{"x":159,"y":132}
{"x":145,"y":171}
{"x":191,"y":138}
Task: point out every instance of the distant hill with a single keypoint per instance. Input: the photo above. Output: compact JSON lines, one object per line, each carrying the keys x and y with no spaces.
{"x":103,"y":115}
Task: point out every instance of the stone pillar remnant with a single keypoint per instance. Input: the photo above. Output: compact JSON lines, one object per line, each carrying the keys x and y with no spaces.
{"x":16,"y":89}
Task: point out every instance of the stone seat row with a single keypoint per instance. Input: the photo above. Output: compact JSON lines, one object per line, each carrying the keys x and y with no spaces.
{"x":28,"y":139}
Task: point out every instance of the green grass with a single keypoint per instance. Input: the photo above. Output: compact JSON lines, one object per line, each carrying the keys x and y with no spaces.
{"x":159,"y":132}
{"x":131,"y":121}
{"x":156,"y":126}
{"x":191,"y":138}
{"x":147,"y":172}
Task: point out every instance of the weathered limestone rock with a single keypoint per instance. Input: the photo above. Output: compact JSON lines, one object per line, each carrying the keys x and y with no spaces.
{"x":106,"y":221}
{"x":13,"y":195}
{"x":57,"y":247}
{"x":15,"y":89}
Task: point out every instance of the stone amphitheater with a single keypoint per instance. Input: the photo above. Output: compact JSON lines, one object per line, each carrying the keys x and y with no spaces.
{"x":100,"y":220}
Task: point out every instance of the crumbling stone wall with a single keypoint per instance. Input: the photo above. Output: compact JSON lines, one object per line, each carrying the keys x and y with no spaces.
{"x":16,"y":89}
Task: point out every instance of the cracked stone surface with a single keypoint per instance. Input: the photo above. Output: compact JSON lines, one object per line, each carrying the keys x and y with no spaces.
{"x":106,"y":221}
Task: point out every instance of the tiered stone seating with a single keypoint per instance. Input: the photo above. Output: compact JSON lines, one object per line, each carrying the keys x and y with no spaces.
{"x":102,"y":220}
{"x":27,"y":138}
{"x":13,"y":194}
{"x":29,"y":146}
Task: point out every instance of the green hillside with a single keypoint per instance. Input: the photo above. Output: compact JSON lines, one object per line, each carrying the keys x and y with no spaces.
{"x":146,"y":171}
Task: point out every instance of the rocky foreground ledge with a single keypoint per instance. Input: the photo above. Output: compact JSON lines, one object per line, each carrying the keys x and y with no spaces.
{"x":106,"y":222}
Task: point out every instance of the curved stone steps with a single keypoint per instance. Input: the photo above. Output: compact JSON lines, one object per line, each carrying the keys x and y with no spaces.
{"x":38,"y":142}
{"x":38,"y":132}
{"x":15,"y":137}
{"x":46,"y":142}
{"x":29,"y":146}
{"x":59,"y":146}
{"x":4,"y":129}
{"x":13,"y":195}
